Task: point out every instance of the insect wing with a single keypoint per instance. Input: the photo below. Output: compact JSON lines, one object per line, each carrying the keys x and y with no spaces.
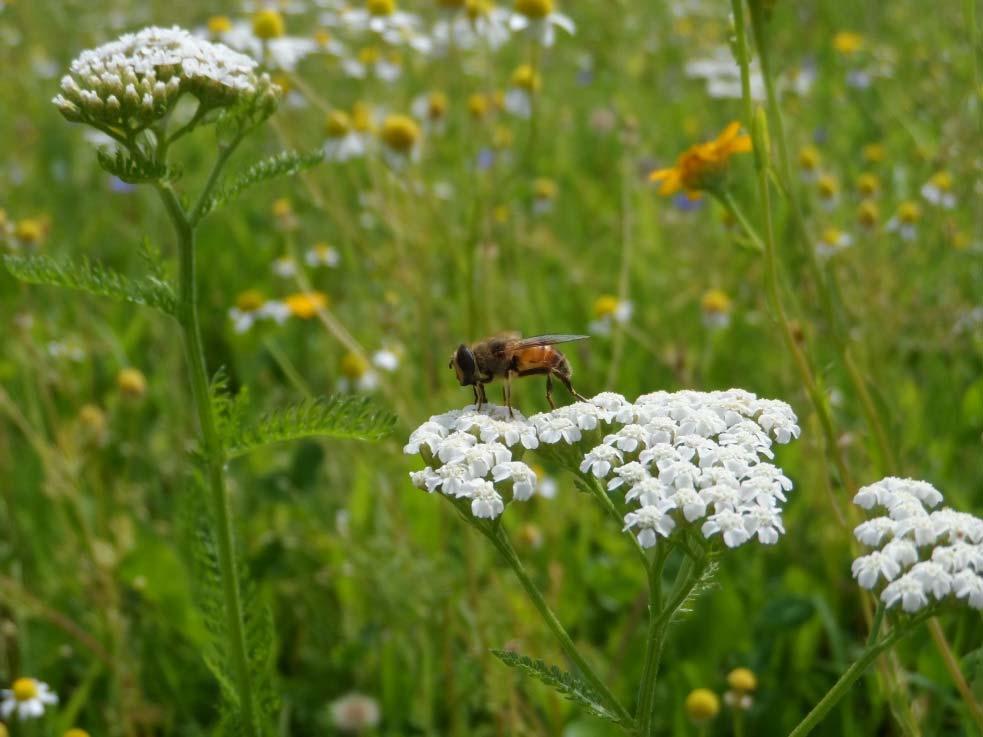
{"x":541,"y":340}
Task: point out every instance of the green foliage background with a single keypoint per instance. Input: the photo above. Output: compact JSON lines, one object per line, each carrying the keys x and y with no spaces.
{"x":375,"y":586}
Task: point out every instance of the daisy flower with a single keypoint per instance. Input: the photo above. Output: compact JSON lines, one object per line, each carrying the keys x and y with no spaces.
{"x":27,"y":698}
{"x":540,"y":20}
{"x":702,"y":166}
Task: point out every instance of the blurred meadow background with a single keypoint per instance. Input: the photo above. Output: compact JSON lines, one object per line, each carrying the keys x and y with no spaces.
{"x":514,"y":196}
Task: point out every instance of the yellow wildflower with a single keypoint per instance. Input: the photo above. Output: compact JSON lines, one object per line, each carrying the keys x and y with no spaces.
{"x":400,"y":133}
{"x":306,"y":305}
{"x":381,"y":7}
{"x":702,"y":705}
{"x":250,"y":300}
{"x":337,"y":124}
{"x":362,"y":117}
{"x":874,"y":153}
{"x":702,"y":165}
{"x":848,"y":42}
{"x":909,"y":212}
{"x":29,"y":231}
{"x":534,"y":8}
{"x":131,"y":383}
{"x":809,"y":158}
{"x":544,"y":188}
{"x":219,"y":24}
{"x":868,"y":213}
{"x":742,"y":679}
{"x":436,"y":105}
{"x":527,"y":78}
{"x":605,"y":306}
{"x":478,"y":105}
{"x":267,"y":24}
{"x":868,"y":184}
{"x":354,"y":365}
{"x":828,"y":186}
{"x":715,"y":302}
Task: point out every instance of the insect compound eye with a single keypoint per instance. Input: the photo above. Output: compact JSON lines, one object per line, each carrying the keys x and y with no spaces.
{"x":466,"y":366}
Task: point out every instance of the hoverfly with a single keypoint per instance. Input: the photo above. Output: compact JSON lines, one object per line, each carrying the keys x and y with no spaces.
{"x":508,"y":356}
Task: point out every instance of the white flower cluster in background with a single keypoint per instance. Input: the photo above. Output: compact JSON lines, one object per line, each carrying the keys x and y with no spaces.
{"x":681,"y":457}
{"x":138,"y":78}
{"x":920,"y":555}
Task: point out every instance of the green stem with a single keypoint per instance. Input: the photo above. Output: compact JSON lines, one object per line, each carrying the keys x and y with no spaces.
{"x":659,"y":618}
{"x":497,"y":535}
{"x":213,"y":451}
{"x":853,"y":673}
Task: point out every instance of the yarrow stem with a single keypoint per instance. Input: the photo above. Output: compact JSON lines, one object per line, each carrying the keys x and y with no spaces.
{"x":499,"y":538}
{"x":212,"y":448}
{"x":660,"y":616}
{"x":854,"y":672}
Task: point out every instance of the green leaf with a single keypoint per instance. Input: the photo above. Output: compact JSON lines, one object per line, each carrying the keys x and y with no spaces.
{"x":93,"y":278}
{"x":566,"y":684}
{"x":196,"y":522}
{"x":285,"y":163}
{"x":338,"y":417}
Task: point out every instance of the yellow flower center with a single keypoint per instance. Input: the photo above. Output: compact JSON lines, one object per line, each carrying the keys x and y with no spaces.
{"x":831,"y":236}
{"x":268,"y":23}
{"x":381,"y":7}
{"x":337,"y":124}
{"x":353,"y":365}
{"x":400,"y":133}
{"x":76,"y":732}
{"x":909,"y":212}
{"x":281,"y":207}
{"x":502,"y":137}
{"x":847,"y":42}
{"x":219,"y":24}
{"x":282,"y":81}
{"x":828,"y":186}
{"x":942,"y":180}
{"x":544,"y":188}
{"x":131,"y":383}
{"x":874,"y":153}
{"x":92,"y":418}
{"x":362,"y":117}
{"x":478,"y":105}
{"x":605,"y":306}
{"x":250,"y":300}
{"x":478,"y":8}
{"x":525,"y":77}
{"x":868,"y":184}
{"x":25,"y":689}
{"x":534,"y":8}
{"x":322,"y":37}
{"x":702,"y":705}
{"x":809,"y":158}
{"x":306,"y":305}
{"x":742,"y":679}
{"x":715,"y":301}
{"x":28,"y":230}
{"x":369,"y":55}
{"x":437,"y":105}
{"x":868,"y":214}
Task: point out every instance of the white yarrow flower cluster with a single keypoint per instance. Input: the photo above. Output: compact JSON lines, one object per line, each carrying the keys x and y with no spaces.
{"x":137,"y":79}
{"x":681,"y":457}
{"x":692,"y":456}
{"x":470,"y":457}
{"x":920,"y":555}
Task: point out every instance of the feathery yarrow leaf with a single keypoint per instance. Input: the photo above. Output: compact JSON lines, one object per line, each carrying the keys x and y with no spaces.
{"x":93,"y":278}
{"x":285,"y":163}
{"x":338,"y":417}
{"x":566,"y":684}
{"x":124,"y":166}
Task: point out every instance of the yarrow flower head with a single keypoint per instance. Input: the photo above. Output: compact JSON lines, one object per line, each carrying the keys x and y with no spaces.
{"x":922,"y":554}
{"x":129,"y":84}
{"x":688,"y":459}
{"x":27,"y":698}
{"x":702,"y":166}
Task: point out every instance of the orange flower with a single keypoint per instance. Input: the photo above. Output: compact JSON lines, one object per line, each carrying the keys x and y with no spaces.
{"x":700,"y":166}
{"x":306,"y":304}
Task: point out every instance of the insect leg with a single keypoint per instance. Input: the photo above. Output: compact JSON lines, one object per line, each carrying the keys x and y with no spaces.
{"x":549,"y":391}
{"x":474,"y":388}
{"x":507,"y":390}
{"x":565,"y":380}
{"x":482,"y":399}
